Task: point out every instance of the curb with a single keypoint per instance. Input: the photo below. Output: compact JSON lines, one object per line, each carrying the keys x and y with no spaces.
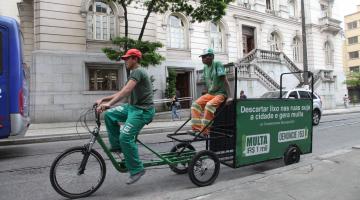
{"x":74,"y":136}
{"x":336,"y":113}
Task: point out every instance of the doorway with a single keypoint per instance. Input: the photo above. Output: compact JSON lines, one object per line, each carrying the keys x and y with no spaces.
{"x":183,"y":86}
{"x":248,"y":39}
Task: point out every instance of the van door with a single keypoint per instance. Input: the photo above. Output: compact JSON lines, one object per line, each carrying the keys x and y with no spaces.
{"x":4,"y":71}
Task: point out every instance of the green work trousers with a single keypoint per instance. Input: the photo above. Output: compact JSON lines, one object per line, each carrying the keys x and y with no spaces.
{"x":124,"y":138}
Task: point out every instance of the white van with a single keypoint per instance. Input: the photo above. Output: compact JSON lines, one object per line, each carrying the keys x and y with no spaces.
{"x":299,"y":93}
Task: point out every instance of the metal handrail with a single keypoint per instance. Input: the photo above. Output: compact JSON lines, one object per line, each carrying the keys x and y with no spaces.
{"x":159,"y":101}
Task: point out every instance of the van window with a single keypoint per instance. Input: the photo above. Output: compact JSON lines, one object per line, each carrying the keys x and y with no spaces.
{"x":1,"y":54}
{"x":304,"y":95}
{"x":315,"y":96}
{"x":293,"y":94}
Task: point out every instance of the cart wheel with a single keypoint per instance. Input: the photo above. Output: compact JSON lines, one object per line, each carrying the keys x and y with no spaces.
{"x":292,"y":155}
{"x":204,"y":168}
{"x":181,"y":168}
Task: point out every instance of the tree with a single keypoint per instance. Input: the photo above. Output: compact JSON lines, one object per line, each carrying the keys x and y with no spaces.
{"x":200,"y":11}
{"x":353,"y":84}
{"x":171,"y":84}
{"x":353,"y":80}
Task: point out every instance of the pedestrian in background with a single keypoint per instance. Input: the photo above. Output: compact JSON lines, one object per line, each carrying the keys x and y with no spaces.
{"x":242,"y":95}
{"x":346,"y":100}
{"x":175,"y":105}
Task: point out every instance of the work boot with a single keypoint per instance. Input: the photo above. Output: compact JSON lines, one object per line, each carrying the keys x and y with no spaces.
{"x":133,"y":178}
{"x":193,"y":132}
{"x":115,"y":150}
{"x":196,"y":132}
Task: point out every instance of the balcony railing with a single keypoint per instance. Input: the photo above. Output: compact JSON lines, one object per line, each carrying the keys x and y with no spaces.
{"x":244,"y":70}
{"x":329,"y":24}
{"x":265,"y":78}
{"x":273,"y":12}
{"x":269,"y":55}
{"x":245,"y":5}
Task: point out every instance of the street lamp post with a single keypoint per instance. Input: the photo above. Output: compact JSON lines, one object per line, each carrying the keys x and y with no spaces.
{"x":305,"y":64}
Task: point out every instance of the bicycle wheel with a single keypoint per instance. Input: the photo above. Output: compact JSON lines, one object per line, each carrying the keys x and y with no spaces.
{"x":67,"y":179}
{"x":204,"y":168}
{"x":181,"y":168}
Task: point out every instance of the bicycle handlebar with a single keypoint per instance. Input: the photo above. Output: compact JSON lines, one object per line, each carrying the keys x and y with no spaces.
{"x":97,"y":114}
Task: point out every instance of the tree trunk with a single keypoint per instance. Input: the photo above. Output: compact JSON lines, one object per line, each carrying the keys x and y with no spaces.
{"x":146,"y":18}
{"x":123,"y":4}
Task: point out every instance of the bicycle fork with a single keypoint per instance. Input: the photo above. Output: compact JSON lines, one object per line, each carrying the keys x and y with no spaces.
{"x":87,"y":150}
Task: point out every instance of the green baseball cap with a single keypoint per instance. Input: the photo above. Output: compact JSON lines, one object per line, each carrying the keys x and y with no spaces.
{"x":207,"y":52}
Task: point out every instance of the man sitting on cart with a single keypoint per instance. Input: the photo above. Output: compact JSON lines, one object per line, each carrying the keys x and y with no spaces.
{"x":217,"y":91}
{"x":138,"y":112}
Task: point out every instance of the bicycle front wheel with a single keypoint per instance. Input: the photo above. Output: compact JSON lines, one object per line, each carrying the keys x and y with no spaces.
{"x":69,"y":180}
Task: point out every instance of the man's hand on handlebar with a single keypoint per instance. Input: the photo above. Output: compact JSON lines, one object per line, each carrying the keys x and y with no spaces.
{"x":98,"y":102}
{"x":102,"y":107}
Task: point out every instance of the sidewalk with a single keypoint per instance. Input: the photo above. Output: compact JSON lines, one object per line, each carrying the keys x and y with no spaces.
{"x":50,"y":132}
{"x":349,"y":109}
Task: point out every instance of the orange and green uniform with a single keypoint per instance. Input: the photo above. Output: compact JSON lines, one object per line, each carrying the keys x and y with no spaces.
{"x":208,"y":103}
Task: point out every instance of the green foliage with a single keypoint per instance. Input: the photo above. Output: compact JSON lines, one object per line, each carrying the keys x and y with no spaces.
{"x":200,"y":11}
{"x":205,"y":10}
{"x":171,"y":84}
{"x":148,"y":49}
{"x":353,"y":80}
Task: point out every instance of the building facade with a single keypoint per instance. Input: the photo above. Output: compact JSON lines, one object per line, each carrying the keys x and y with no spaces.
{"x":63,"y":41}
{"x":352,"y":48}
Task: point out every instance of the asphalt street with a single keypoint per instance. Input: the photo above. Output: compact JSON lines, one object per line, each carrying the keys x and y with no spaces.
{"x":24,"y":169}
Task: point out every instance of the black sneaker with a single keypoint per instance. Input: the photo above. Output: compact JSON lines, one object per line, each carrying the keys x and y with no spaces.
{"x":196,"y":133}
{"x":115,"y":150}
{"x":134,"y":178}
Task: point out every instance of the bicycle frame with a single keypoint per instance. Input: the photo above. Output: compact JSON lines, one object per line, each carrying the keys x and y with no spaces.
{"x":171,"y":158}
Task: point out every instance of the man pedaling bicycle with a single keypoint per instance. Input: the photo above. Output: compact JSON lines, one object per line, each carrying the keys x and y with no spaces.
{"x":138,"y":112}
{"x":218,"y":90}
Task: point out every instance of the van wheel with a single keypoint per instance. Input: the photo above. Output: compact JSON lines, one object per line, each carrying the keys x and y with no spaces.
{"x":316,"y":117}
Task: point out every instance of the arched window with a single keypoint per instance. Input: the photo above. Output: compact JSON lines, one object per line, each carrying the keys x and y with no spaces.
{"x":328,"y":54}
{"x":270,"y":4}
{"x":297,"y":50}
{"x":275,"y":43}
{"x":176,"y":32}
{"x":100,"y":21}
{"x":216,"y":37}
{"x":292,"y":8}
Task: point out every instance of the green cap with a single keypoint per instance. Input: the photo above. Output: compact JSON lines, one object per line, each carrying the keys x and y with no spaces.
{"x":207,"y":52}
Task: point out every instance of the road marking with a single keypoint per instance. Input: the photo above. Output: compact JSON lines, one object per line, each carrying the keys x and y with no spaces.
{"x":202,"y":197}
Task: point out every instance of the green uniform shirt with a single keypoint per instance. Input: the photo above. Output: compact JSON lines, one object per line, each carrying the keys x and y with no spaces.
{"x":142,"y":95}
{"x":212,"y":77}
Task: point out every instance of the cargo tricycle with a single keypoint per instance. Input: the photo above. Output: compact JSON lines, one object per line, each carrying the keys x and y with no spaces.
{"x":243,"y":132}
